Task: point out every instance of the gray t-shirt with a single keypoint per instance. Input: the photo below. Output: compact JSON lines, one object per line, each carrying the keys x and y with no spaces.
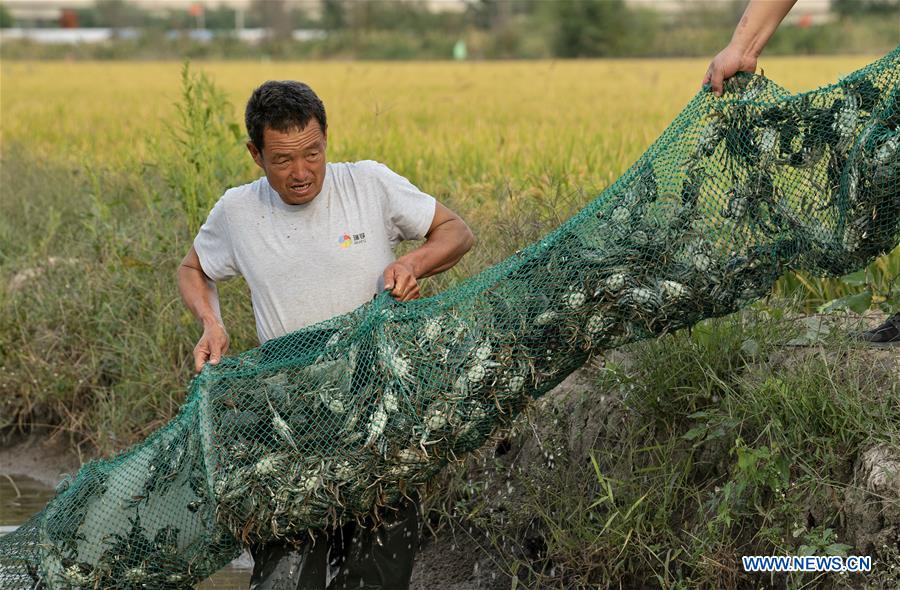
{"x":307,"y":263}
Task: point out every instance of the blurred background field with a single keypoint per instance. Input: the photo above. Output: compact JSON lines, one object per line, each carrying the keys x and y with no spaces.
{"x":112,"y":153}
{"x":424,"y":29}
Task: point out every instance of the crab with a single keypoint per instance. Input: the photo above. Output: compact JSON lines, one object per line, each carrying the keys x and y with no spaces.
{"x":344,"y":471}
{"x":641,"y":297}
{"x":545,"y":318}
{"x":333,"y":401}
{"x":701,"y":261}
{"x":377,"y":423}
{"x":475,"y":373}
{"x":389,"y":400}
{"x":887,"y":151}
{"x":268,"y":465}
{"x":767,"y":142}
{"x":474,"y":422}
{"x":737,"y":206}
{"x":854,"y":234}
{"x":75,"y":576}
{"x":432,"y":330}
{"x":575,"y":298}
{"x":710,"y":136}
{"x":697,"y":255}
{"x":135,"y":574}
{"x":615,"y":282}
{"x":412,"y":456}
{"x":853,"y":186}
{"x":435,"y":419}
{"x":845,"y":122}
{"x":620,"y":215}
{"x":283,"y":429}
{"x":400,"y":364}
{"x":691,"y":187}
{"x":672,"y":290}
{"x":598,"y":323}
{"x":483,"y":352}
{"x":754,"y":89}
{"x":308,"y":482}
{"x":515,"y":383}
{"x":640,"y":238}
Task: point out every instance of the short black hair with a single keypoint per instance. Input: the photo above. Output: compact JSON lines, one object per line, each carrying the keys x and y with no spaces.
{"x":282,"y":105}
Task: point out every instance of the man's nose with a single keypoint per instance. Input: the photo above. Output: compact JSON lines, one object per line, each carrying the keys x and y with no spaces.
{"x":300,"y":169}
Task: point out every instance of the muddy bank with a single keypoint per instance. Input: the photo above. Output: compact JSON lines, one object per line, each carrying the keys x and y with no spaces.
{"x":41,"y":457}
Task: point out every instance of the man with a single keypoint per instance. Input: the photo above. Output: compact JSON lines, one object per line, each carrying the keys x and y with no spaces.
{"x":760,"y":20}
{"x":312,"y":239}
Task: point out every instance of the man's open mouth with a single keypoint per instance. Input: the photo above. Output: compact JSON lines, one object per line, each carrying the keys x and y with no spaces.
{"x":301,"y":187}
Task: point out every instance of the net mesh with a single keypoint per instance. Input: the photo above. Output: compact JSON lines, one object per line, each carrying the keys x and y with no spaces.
{"x":346,"y":416}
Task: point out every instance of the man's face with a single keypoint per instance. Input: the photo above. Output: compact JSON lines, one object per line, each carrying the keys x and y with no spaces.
{"x":294,"y":161}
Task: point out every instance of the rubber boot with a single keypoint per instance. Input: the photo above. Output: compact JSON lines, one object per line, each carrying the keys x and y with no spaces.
{"x":282,"y":566}
{"x":382,"y":558}
{"x":887,"y":334}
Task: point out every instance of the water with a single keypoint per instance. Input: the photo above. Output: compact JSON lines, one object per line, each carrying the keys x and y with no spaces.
{"x":21,"y":497}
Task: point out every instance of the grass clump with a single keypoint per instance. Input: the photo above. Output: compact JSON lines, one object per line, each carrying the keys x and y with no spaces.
{"x":94,"y":340}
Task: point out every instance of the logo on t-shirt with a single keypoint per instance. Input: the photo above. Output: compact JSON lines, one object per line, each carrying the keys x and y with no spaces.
{"x":346,"y":240}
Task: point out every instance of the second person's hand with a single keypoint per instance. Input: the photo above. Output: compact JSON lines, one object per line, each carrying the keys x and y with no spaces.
{"x":726,"y":64}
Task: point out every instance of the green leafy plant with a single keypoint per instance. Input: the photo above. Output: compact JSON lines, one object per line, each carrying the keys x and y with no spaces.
{"x":209,"y":155}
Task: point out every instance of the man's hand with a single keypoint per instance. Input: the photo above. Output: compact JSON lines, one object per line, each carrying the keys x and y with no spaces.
{"x":400,"y":280}
{"x":726,"y":64}
{"x":200,"y":296}
{"x":446,"y":241}
{"x":211,"y":346}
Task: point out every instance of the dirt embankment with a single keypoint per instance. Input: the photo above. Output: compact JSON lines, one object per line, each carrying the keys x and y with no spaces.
{"x":41,"y":457}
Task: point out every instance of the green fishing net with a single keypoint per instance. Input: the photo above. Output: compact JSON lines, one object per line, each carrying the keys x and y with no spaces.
{"x":338,"y":419}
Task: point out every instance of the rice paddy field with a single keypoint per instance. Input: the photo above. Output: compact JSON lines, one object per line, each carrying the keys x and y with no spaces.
{"x":106,"y":169}
{"x":448,"y":126}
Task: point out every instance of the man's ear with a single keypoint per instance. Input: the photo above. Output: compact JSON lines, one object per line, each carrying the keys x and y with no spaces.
{"x":257,"y":155}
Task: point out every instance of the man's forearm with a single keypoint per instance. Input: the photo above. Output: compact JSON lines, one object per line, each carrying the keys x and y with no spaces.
{"x":443,"y":248}
{"x":758,"y":23}
{"x":199,"y":295}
